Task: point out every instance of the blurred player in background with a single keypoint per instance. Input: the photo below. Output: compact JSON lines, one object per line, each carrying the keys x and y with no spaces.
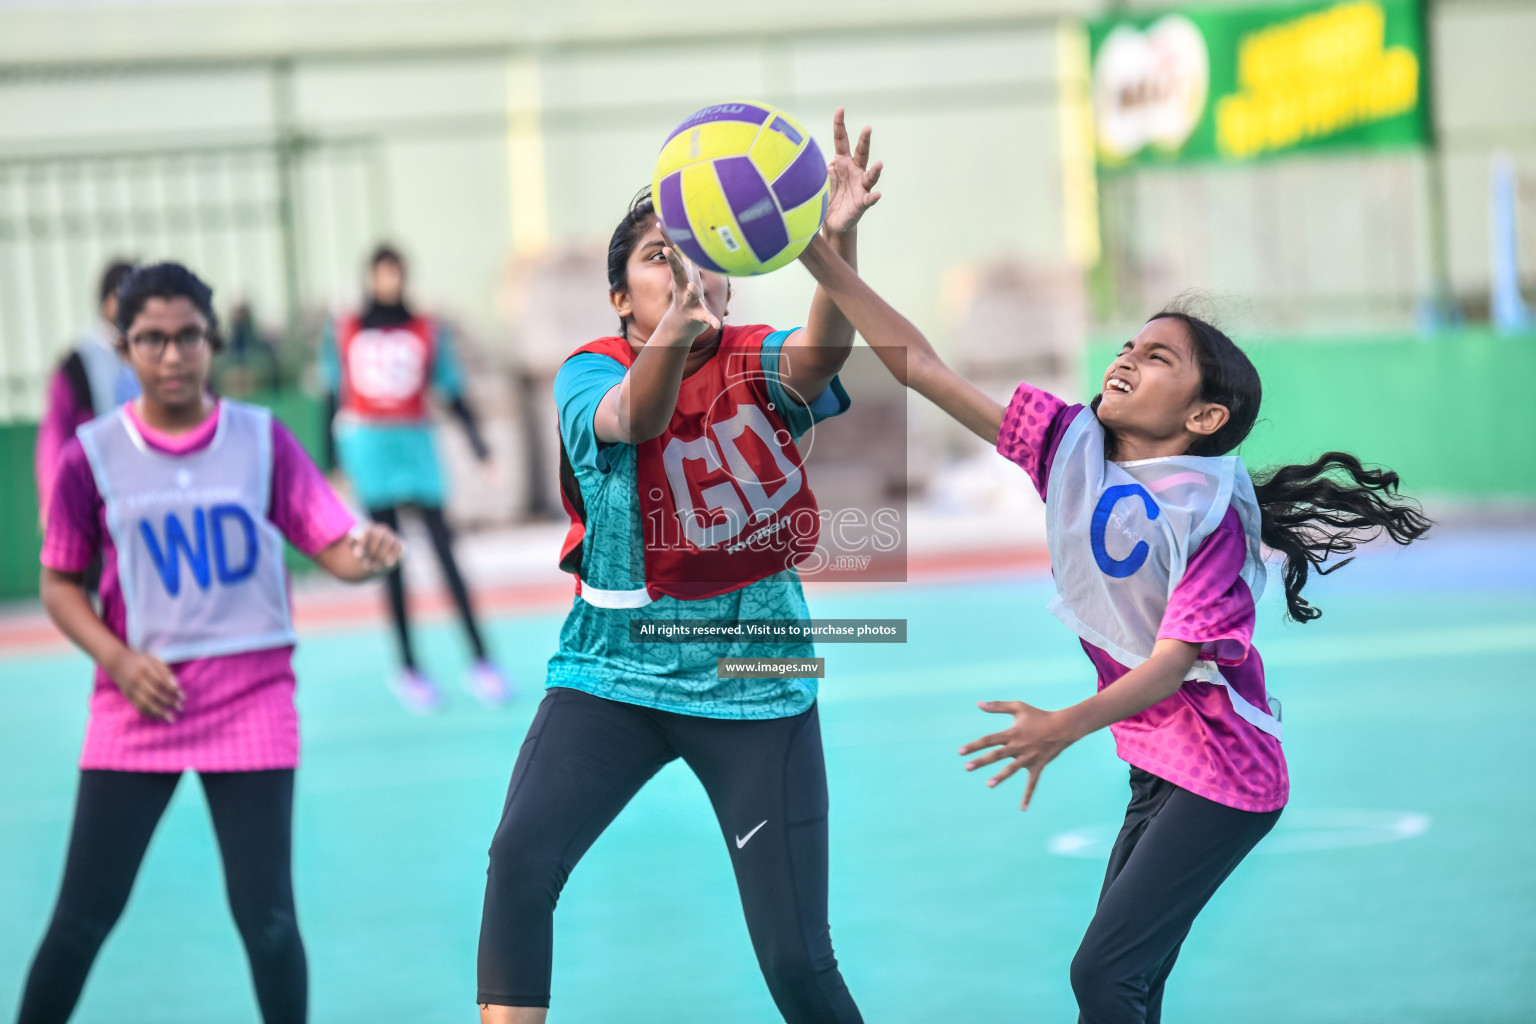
{"x":380,"y":367}
{"x":93,"y":379}
{"x":187,"y":500}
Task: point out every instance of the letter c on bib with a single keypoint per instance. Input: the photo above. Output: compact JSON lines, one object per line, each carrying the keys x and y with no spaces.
{"x":1119,"y":567}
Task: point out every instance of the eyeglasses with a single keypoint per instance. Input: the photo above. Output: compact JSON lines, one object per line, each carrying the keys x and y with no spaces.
{"x":153,"y":343}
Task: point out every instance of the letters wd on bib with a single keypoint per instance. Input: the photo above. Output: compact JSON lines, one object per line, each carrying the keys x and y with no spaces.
{"x":192,"y":529}
{"x":200,"y":564}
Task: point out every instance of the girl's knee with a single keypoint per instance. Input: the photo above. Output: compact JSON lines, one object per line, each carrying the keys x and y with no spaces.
{"x":80,"y":932}
{"x":1092,"y":984}
{"x":1086,"y":974}
{"x":524,"y":870}
{"x":1104,"y":996}
{"x":804,"y":985}
{"x":268,"y":930}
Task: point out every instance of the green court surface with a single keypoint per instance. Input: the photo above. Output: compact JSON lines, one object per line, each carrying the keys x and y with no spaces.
{"x":1399,"y":886}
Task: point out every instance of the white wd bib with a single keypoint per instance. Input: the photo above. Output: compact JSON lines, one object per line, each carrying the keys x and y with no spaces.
{"x":1121,"y":536}
{"x":200,"y":564}
{"x":111,"y":380}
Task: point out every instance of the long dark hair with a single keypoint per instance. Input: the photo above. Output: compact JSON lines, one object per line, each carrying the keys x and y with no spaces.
{"x":636,"y":220}
{"x":1310,"y":512}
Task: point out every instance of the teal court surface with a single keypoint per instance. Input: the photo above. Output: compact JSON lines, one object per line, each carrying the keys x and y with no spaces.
{"x":1400,"y":886}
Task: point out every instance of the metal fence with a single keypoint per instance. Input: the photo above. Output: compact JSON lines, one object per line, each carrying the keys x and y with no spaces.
{"x":229,"y":210}
{"x":281,"y":213}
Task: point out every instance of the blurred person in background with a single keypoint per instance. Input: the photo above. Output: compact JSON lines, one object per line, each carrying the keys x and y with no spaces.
{"x":379,"y":366}
{"x":249,"y":362}
{"x":92,"y":379}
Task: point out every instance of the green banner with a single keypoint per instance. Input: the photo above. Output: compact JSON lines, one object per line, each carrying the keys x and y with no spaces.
{"x":1242,"y":84}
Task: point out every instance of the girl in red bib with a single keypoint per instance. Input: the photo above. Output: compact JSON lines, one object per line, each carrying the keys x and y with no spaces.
{"x":1155,"y":534}
{"x":688,"y":501}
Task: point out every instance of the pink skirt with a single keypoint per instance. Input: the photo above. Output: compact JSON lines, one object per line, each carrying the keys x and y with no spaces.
{"x":238,"y":715}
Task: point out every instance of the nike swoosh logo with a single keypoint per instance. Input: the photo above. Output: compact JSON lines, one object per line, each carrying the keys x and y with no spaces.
{"x":743,"y":840}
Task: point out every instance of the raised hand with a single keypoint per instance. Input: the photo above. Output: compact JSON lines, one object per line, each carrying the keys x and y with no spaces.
{"x":148,"y":683}
{"x":850,"y":178}
{"x":688,"y":296}
{"x":1033,"y":741}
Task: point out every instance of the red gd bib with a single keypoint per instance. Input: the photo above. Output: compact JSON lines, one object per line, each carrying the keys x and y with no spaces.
{"x":724,"y":497}
{"x":385,"y":371}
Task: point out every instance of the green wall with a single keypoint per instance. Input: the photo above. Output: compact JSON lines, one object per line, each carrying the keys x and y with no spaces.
{"x":21,"y":542}
{"x":1452,"y":413}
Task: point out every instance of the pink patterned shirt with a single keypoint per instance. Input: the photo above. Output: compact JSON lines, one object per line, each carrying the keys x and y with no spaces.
{"x":238,"y":713}
{"x":1193,"y":738}
{"x":63,"y":416}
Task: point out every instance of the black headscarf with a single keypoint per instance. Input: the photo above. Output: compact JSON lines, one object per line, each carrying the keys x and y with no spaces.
{"x":378,"y":314}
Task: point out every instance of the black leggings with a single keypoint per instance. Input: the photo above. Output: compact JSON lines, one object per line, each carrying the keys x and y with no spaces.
{"x":115,"y":816}
{"x":442,"y":543}
{"x":583,"y":760}
{"x":1174,"y":851}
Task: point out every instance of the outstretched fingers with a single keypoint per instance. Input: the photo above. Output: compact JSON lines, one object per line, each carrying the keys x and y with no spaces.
{"x":839,"y":133}
{"x":678,"y":264}
{"x":860,"y":151}
{"x":1008,"y":770}
{"x":990,"y":757}
{"x":990,"y":740}
{"x":872,"y":178}
{"x":686,"y":277}
{"x":1029,"y":788}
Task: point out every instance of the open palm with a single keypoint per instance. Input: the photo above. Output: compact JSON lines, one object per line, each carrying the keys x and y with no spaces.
{"x":850,"y":178}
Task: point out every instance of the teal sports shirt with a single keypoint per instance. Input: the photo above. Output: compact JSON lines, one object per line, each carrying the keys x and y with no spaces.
{"x":595,"y":653}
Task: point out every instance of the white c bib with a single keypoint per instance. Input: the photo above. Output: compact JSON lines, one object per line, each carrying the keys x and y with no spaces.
{"x":1121,"y":536}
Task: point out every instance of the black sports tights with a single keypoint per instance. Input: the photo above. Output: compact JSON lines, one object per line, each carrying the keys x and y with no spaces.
{"x":1173,"y":852}
{"x":115,"y":816}
{"x":442,"y":543}
{"x":583,"y":760}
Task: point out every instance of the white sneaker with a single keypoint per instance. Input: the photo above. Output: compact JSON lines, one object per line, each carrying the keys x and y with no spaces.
{"x":418,"y":694}
{"x":488,"y":684}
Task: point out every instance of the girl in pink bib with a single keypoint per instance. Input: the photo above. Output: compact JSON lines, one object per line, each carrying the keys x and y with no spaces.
{"x":187,"y":500}
{"x":1155,"y":536}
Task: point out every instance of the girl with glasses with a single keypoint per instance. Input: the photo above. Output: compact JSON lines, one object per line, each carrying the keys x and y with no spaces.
{"x":188,"y":500}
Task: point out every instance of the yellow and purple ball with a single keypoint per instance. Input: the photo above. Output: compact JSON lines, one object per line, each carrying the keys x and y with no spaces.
{"x":741,"y":188}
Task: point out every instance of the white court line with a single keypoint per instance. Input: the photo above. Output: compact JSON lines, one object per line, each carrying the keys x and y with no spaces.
{"x":1301,"y":830}
{"x":1026,"y":671}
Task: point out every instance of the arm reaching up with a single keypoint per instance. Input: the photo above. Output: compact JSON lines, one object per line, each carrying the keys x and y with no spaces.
{"x":886,"y":330}
{"x":640,"y":407}
{"x":820,"y":350}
